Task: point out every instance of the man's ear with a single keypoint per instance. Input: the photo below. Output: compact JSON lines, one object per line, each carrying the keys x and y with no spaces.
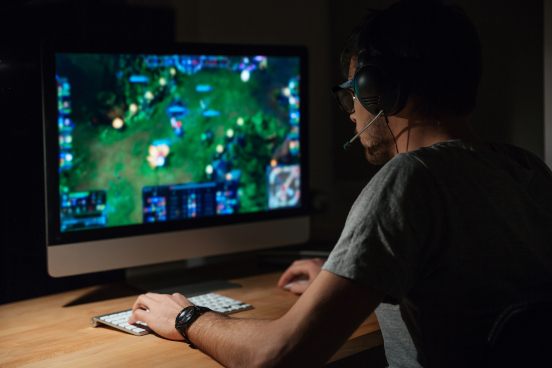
{"x":409,"y":110}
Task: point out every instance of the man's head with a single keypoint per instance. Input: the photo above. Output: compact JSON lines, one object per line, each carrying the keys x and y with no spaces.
{"x":437,"y":50}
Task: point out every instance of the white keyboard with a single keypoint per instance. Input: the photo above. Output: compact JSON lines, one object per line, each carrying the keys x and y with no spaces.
{"x":213,"y":301}
{"x":120,"y":320}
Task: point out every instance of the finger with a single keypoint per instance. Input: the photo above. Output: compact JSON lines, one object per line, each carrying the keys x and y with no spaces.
{"x":143,"y":302}
{"x":300,"y":288}
{"x":290,"y":275}
{"x":139,"y":315}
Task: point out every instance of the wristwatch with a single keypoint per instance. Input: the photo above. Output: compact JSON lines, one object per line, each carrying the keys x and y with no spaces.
{"x":186,"y":317}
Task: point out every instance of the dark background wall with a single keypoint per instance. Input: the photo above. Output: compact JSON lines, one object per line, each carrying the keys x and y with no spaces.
{"x":509,"y":109}
{"x":23,"y":24}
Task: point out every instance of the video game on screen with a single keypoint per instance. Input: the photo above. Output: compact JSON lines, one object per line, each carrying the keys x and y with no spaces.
{"x":149,"y":138}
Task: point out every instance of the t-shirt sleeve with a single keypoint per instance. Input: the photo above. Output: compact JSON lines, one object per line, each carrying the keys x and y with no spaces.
{"x":387,"y":239}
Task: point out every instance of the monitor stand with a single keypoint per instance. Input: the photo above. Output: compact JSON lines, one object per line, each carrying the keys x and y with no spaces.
{"x":190,"y":277}
{"x":176,"y":277}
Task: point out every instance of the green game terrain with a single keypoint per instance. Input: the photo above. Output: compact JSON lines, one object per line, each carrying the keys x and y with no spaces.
{"x":115,"y":160}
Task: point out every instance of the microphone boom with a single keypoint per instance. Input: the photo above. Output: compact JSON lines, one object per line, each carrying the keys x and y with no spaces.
{"x":348,"y":143}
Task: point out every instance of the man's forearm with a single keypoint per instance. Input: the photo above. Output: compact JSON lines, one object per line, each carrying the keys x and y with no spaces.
{"x":307,"y":335}
{"x":235,"y":342}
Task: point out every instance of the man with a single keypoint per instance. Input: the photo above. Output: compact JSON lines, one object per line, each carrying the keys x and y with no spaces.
{"x":451,"y":229}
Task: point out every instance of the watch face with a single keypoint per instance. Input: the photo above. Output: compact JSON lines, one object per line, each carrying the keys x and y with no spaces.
{"x":186,"y":315}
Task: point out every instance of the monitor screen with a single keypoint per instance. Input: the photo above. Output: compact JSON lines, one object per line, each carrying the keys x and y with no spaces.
{"x":154,"y":139}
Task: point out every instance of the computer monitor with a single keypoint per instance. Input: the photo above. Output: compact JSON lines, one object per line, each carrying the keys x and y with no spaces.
{"x":164,"y":152}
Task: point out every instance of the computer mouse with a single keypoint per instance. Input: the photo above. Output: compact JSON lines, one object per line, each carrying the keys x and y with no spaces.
{"x":288,"y":286}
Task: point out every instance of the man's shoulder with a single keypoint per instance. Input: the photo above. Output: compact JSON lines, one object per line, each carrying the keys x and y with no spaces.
{"x":415,"y":162}
{"x":435,"y":154}
{"x":424,"y":164}
{"x":450,"y":153}
{"x":403,"y":173}
{"x":521,"y":156}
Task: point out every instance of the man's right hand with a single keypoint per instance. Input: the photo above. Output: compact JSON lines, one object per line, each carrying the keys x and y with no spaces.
{"x":308,"y":267}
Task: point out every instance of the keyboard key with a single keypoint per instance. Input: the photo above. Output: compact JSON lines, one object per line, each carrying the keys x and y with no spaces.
{"x":120,"y":320}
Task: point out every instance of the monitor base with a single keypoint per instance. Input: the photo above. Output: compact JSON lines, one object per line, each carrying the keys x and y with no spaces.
{"x":176,"y":277}
{"x":121,"y":290}
{"x":106,"y":292}
{"x":198,"y":288}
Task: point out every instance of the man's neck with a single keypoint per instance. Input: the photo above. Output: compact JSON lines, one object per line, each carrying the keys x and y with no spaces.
{"x":415,"y":133}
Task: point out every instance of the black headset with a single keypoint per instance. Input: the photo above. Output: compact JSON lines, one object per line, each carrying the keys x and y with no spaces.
{"x":379,"y":81}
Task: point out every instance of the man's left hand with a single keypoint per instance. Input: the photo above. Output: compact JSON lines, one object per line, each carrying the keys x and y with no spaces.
{"x":163,"y":309}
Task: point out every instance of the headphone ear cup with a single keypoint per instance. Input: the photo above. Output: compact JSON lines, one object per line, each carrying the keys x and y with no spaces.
{"x":377,"y":90}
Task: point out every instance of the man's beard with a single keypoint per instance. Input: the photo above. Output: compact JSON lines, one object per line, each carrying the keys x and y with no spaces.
{"x":376,"y":145}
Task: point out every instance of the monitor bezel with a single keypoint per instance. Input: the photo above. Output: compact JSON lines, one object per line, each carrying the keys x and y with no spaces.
{"x":55,"y":237}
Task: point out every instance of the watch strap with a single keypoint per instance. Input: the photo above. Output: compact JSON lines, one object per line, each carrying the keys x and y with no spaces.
{"x":182,"y":327}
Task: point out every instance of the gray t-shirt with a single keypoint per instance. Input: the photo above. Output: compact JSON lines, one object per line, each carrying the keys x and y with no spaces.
{"x":453,"y":233}
{"x":399,"y":347}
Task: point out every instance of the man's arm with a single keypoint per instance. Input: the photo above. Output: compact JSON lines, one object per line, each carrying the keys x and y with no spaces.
{"x":309,"y":334}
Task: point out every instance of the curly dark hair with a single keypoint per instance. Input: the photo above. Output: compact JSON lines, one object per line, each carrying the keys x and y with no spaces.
{"x":438,"y":47}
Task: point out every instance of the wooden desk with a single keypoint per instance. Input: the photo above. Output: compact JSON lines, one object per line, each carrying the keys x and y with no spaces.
{"x":41,"y":333}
